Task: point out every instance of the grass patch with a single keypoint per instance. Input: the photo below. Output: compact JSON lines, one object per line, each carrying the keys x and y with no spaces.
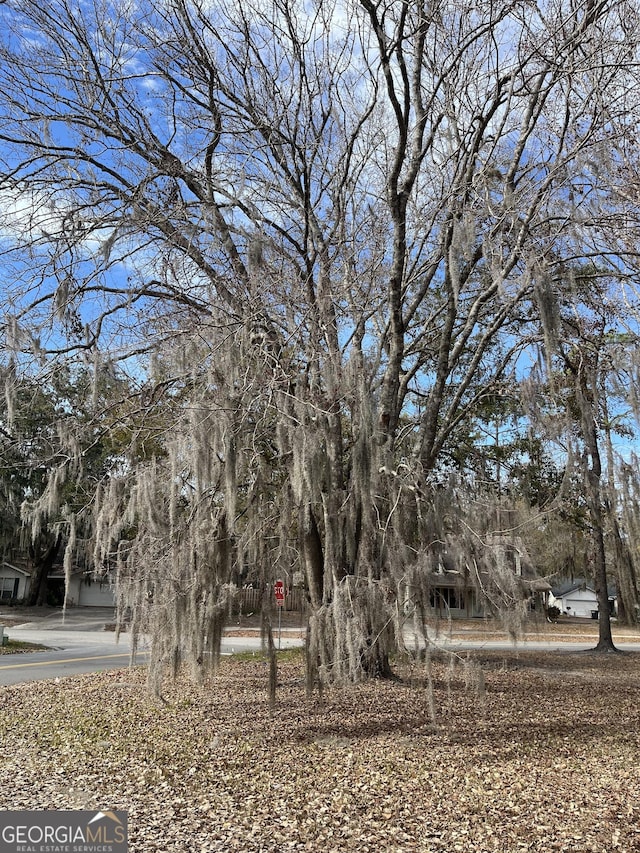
{"x":283,"y":655}
{"x":14,"y":647}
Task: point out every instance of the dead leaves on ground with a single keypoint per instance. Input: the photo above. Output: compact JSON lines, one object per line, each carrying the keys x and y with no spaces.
{"x":546,"y":760}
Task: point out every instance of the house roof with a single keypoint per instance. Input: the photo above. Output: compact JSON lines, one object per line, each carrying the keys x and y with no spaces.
{"x":530,"y":580}
{"x":14,"y":568}
{"x":456,"y":579}
{"x":538,"y":585}
{"x":568,"y":587}
{"x":57,"y":571}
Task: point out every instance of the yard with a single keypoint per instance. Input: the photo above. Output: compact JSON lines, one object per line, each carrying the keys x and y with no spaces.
{"x":539,"y":753}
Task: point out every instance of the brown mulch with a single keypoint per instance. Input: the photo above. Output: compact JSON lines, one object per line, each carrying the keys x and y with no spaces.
{"x":541,"y":753}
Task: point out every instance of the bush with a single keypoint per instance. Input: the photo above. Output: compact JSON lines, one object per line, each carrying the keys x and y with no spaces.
{"x":553,"y":613}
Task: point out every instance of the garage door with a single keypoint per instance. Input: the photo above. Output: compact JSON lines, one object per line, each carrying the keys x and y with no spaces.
{"x":95,"y":595}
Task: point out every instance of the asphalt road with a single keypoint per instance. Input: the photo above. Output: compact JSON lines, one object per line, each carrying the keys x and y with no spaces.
{"x":79,"y":644}
{"x":75,"y":660}
{"x":37,"y":666}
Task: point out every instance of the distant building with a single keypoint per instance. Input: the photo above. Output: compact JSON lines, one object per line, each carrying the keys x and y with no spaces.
{"x":578,"y":598}
{"x":458,"y":591}
{"x":84,"y":589}
{"x":14,"y":583}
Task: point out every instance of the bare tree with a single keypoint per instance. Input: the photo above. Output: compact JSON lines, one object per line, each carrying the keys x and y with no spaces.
{"x":316,"y":234}
{"x":581,"y":363}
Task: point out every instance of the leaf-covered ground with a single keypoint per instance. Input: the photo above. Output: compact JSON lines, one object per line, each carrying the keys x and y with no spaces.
{"x":545,"y":759}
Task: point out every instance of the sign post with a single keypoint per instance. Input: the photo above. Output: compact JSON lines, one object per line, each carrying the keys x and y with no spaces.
{"x":279,"y":592}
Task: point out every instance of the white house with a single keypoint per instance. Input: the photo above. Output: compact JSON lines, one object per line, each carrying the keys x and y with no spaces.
{"x":87,"y":591}
{"x":14,"y":582}
{"x":454,"y":589}
{"x":84,"y":590}
{"x":578,"y":598}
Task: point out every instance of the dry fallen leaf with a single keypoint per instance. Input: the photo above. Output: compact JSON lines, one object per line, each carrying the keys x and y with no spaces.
{"x":548,"y":763}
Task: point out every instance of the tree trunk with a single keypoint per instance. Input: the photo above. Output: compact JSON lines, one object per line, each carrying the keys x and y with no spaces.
{"x":626,"y":580}
{"x":375,"y":662}
{"x":313,"y":556}
{"x":594,"y":500}
{"x":43,"y":563}
{"x":627,"y":585}
{"x":605,"y":639}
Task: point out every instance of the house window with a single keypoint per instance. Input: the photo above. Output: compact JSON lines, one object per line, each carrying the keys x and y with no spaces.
{"x":8,"y":588}
{"x":512,"y":560}
{"x":447,"y":598}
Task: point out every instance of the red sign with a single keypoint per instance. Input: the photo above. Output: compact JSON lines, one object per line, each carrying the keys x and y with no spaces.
{"x":278,"y":589}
